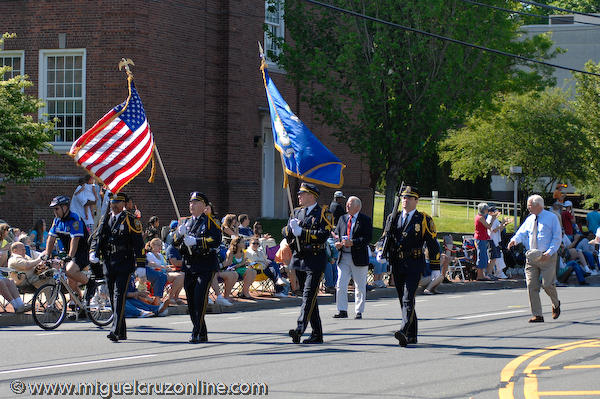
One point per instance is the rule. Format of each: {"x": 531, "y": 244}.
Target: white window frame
{"x": 280, "y": 27}
{"x": 15, "y": 53}
{"x": 60, "y": 146}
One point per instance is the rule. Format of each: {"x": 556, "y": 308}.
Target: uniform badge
{"x": 417, "y": 227}
{"x": 138, "y": 224}
{"x": 404, "y": 234}
{"x": 121, "y": 227}
{"x": 75, "y": 226}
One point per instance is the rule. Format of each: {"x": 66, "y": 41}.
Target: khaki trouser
{"x": 547, "y": 270}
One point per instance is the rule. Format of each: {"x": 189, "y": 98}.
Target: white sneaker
{"x": 280, "y": 295}
{"x": 502, "y": 275}
{"x": 164, "y": 312}
{"x": 210, "y": 301}
{"x": 379, "y": 283}
{"x": 427, "y": 292}
{"x": 223, "y": 302}
{"x": 282, "y": 281}
{"x": 594, "y": 272}
{"x": 145, "y": 314}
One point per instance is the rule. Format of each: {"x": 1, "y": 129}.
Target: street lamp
{"x": 515, "y": 171}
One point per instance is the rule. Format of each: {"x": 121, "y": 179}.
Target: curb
{"x": 268, "y": 302}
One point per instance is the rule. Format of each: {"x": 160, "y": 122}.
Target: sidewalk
{"x": 268, "y": 302}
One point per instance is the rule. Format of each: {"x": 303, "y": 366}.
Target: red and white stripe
{"x": 114, "y": 153}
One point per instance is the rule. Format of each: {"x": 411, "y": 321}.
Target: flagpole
{"x": 125, "y": 63}
{"x": 162, "y": 168}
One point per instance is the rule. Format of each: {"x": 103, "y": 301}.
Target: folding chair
{"x": 455, "y": 267}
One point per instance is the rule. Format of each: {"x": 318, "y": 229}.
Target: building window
{"x": 62, "y": 87}
{"x": 274, "y": 22}
{"x": 13, "y": 59}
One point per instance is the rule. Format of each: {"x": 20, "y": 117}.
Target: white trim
{"x": 15, "y": 53}
{"x": 61, "y": 147}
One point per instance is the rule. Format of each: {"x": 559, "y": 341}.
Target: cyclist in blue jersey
{"x": 69, "y": 228}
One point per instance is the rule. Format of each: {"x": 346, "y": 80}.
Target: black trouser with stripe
{"x": 309, "y": 311}
{"x": 407, "y": 274}
{"x": 196, "y": 287}
{"x": 117, "y": 282}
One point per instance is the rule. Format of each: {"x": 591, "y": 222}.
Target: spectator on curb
{"x": 153, "y": 229}
{"x": 337, "y": 206}
{"x": 230, "y": 227}
{"x": 26, "y": 271}
{"x": 4, "y": 244}
{"x": 138, "y": 303}
{"x": 257, "y": 258}
{"x": 157, "y": 262}
{"x": 39, "y": 235}
{"x": 236, "y": 261}
{"x": 10, "y": 292}
{"x": 593, "y": 218}
{"x": 244, "y": 225}
{"x": 481, "y": 240}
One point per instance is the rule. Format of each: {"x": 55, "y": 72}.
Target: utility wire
{"x": 524, "y": 13}
{"x": 449, "y": 39}
{"x": 534, "y": 3}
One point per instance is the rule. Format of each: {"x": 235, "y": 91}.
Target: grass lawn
{"x": 453, "y": 219}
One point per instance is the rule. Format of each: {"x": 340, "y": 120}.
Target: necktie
{"x": 404, "y": 220}
{"x": 113, "y": 218}
{"x": 533, "y": 237}
{"x": 349, "y": 229}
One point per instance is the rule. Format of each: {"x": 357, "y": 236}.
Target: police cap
{"x": 119, "y": 197}
{"x": 198, "y": 196}
{"x": 410, "y": 191}
{"x": 309, "y": 188}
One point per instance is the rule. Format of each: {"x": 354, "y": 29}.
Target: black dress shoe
{"x": 113, "y": 337}
{"x": 313, "y": 339}
{"x": 295, "y": 336}
{"x": 203, "y": 338}
{"x": 122, "y": 337}
{"x": 412, "y": 340}
{"x": 401, "y": 337}
{"x": 194, "y": 339}
{"x": 341, "y": 315}
{"x": 358, "y": 316}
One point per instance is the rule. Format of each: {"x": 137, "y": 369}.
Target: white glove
{"x": 380, "y": 257}
{"x": 295, "y": 227}
{"x": 189, "y": 240}
{"x": 93, "y": 258}
{"x": 140, "y": 272}
{"x": 181, "y": 229}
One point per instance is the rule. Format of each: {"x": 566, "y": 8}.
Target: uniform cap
{"x": 410, "y": 191}
{"x": 309, "y": 188}
{"x": 120, "y": 197}
{"x": 338, "y": 194}
{"x": 198, "y": 196}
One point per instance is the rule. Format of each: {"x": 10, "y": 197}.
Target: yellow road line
{"x": 569, "y": 393}
{"x": 508, "y": 372}
{"x": 584, "y": 366}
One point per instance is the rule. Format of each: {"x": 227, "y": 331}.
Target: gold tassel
{"x": 153, "y": 171}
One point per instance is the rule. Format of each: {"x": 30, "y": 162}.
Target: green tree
{"x": 390, "y": 94}
{"x": 539, "y": 131}
{"x": 587, "y": 104}
{"x": 21, "y": 138}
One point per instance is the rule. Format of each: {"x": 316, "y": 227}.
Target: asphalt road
{"x": 474, "y": 344}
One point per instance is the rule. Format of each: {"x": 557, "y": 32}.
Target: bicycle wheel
{"x": 49, "y": 306}
{"x": 99, "y": 310}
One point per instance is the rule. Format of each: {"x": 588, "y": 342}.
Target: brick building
{"x": 197, "y": 74}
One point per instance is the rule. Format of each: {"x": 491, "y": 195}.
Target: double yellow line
{"x": 530, "y": 389}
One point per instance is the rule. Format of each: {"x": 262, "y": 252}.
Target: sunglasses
{"x": 255, "y": 243}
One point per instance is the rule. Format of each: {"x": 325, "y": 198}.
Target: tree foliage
{"x": 539, "y": 131}
{"x": 390, "y": 94}
{"x": 21, "y": 137}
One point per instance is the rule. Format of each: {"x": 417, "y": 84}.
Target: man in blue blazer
{"x": 354, "y": 231}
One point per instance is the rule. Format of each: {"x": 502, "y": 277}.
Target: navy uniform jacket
{"x": 121, "y": 245}
{"x": 361, "y": 237}
{"x": 201, "y": 256}
{"x": 316, "y": 229}
{"x": 406, "y": 247}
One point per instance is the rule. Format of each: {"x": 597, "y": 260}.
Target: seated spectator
{"x": 570, "y": 253}
{"x": 379, "y": 268}
{"x": 168, "y": 240}
{"x": 4, "y": 244}
{"x": 236, "y": 261}
{"x": 25, "y": 271}
{"x": 140, "y": 304}
{"x": 10, "y": 292}
{"x": 257, "y": 259}
{"x": 29, "y": 251}
{"x": 230, "y": 227}
{"x": 432, "y": 278}
{"x": 158, "y": 265}
{"x": 39, "y": 235}
{"x": 153, "y": 229}
{"x": 227, "y": 277}
{"x": 567, "y": 261}
{"x": 589, "y": 252}
{"x": 244, "y": 225}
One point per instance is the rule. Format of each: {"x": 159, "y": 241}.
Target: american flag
{"x": 119, "y": 146}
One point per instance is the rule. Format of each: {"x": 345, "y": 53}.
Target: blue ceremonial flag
{"x": 303, "y": 155}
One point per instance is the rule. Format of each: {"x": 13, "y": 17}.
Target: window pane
{"x": 69, "y": 62}
{"x": 60, "y": 76}
{"x": 60, "y": 62}
{"x": 69, "y": 107}
{"x": 50, "y": 76}
{"x": 69, "y": 121}
{"x": 60, "y": 91}
{"x": 51, "y": 107}
{"x": 51, "y": 62}
{"x": 78, "y": 62}
{"x": 77, "y": 75}
{"x": 68, "y": 90}
{"x": 77, "y": 90}
{"x": 60, "y": 107}
{"x": 78, "y": 121}
{"x": 51, "y": 92}
{"x": 78, "y": 106}
{"x": 68, "y": 76}
{"x": 17, "y": 65}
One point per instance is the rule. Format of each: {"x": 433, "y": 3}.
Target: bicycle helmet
{"x": 60, "y": 200}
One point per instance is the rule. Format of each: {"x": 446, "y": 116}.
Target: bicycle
{"x": 49, "y": 305}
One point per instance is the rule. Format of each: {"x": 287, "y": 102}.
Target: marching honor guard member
{"x": 310, "y": 226}
{"x": 198, "y": 238}
{"x": 408, "y": 234}
{"x": 118, "y": 241}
